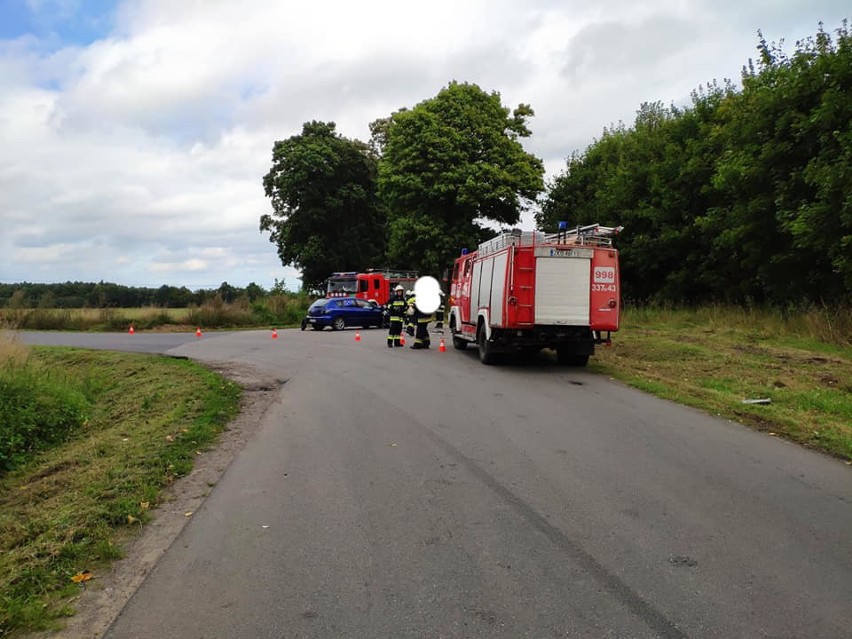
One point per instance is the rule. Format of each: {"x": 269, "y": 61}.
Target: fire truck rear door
{"x": 562, "y": 290}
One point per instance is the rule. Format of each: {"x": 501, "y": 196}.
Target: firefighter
{"x": 439, "y": 314}
{"x": 410, "y": 310}
{"x": 421, "y": 320}
{"x": 396, "y": 311}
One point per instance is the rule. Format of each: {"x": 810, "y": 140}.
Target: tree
{"x": 326, "y": 213}
{"x": 255, "y": 292}
{"x": 744, "y": 196}
{"x": 450, "y": 164}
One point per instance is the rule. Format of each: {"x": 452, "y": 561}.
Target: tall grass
{"x": 220, "y": 314}
{"x": 280, "y": 310}
{"x": 817, "y": 324}
{"x": 283, "y": 310}
{"x": 39, "y": 407}
{"x": 67, "y": 509}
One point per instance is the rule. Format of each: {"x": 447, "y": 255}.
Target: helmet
{"x": 408, "y": 292}
{"x": 398, "y": 288}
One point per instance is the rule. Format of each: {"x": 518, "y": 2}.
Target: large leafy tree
{"x": 742, "y": 196}
{"x": 326, "y": 214}
{"x": 449, "y": 165}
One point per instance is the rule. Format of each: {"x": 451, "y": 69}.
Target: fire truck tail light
{"x": 612, "y": 303}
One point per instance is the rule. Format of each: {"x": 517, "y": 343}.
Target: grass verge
{"x": 66, "y": 510}
{"x": 713, "y": 359}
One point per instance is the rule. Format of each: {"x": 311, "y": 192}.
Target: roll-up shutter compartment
{"x": 562, "y": 291}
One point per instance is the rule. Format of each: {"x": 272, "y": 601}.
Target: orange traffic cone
{"x": 442, "y": 348}
{"x": 131, "y": 331}
{"x": 357, "y": 336}
{"x": 198, "y": 332}
{"x": 274, "y": 333}
{"x": 402, "y": 339}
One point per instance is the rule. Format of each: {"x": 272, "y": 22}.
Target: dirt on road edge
{"x": 104, "y": 597}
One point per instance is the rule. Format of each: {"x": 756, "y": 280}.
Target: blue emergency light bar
{"x": 464, "y": 251}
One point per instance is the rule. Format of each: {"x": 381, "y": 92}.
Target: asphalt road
{"x": 397, "y": 493}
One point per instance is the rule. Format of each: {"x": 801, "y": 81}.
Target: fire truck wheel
{"x": 339, "y": 324}
{"x": 486, "y": 351}
{"x": 458, "y": 343}
{"x": 567, "y": 357}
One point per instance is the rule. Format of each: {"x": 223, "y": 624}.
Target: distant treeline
{"x": 108, "y": 295}
{"x": 745, "y": 196}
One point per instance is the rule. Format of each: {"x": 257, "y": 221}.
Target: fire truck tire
{"x": 458, "y": 343}
{"x": 567, "y": 357}
{"x": 339, "y": 324}
{"x": 486, "y": 351}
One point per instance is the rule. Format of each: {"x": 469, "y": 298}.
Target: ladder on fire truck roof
{"x": 589, "y": 235}
{"x": 394, "y": 273}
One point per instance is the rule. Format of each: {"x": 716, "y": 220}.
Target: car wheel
{"x": 338, "y": 324}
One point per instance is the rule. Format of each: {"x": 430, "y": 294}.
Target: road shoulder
{"x": 104, "y": 598}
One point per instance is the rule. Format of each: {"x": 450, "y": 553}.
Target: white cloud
{"x": 178, "y": 267}
{"x": 138, "y": 158}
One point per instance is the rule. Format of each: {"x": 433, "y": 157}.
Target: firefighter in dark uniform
{"x": 396, "y": 312}
{"x": 421, "y": 320}
{"x": 439, "y": 314}
{"x": 409, "y": 317}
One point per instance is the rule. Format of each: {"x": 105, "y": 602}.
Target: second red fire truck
{"x": 524, "y": 291}
{"x": 374, "y": 284}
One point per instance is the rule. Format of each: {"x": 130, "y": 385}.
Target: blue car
{"x": 340, "y": 312}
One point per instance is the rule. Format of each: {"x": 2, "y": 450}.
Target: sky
{"x": 134, "y": 135}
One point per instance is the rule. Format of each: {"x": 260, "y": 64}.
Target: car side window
{"x": 349, "y": 303}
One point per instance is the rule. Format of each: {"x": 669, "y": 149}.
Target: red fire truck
{"x": 374, "y": 284}
{"x": 341, "y": 284}
{"x": 524, "y": 291}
